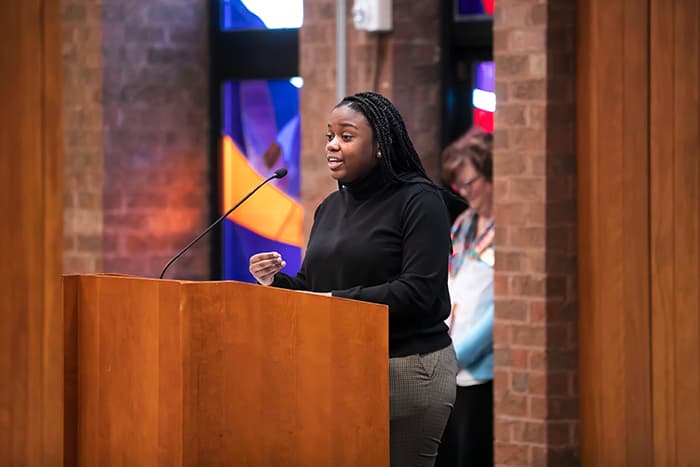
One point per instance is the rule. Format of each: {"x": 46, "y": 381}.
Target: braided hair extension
{"x": 399, "y": 159}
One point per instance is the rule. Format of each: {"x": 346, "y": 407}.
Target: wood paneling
{"x": 227, "y": 373}
{"x": 614, "y": 345}
{"x": 675, "y": 230}
{"x": 31, "y": 237}
{"x": 639, "y": 231}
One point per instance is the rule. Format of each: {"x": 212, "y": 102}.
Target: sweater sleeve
{"x": 425, "y": 246}
{"x": 285, "y": 281}
{"x": 298, "y": 282}
{"x": 478, "y": 343}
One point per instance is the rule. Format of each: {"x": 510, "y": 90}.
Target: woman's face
{"x": 350, "y": 152}
{"x": 473, "y": 186}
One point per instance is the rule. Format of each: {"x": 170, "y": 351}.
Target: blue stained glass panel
{"x": 260, "y": 14}
{"x": 466, "y": 8}
{"x": 261, "y": 118}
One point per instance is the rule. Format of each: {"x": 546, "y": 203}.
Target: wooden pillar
{"x": 639, "y": 232}
{"x": 613, "y": 195}
{"x": 675, "y": 230}
{"x": 31, "y": 361}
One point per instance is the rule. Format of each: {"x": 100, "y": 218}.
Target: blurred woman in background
{"x": 468, "y": 436}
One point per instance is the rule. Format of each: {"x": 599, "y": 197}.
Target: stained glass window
{"x": 261, "y": 133}
{"x": 261, "y": 14}
{"x": 484, "y": 95}
{"x": 259, "y": 126}
{"x": 464, "y": 9}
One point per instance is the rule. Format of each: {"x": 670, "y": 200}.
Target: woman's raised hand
{"x": 264, "y": 266}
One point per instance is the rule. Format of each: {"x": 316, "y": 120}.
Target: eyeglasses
{"x": 456, "y": 186}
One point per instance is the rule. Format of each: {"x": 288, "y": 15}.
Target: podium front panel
{"x": 222, "y": 373}
{"x": 283, "y": 378}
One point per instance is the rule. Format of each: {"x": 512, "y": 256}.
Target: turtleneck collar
{"x": 370, "y": 184}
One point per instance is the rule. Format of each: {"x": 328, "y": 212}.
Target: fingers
{"x": 266, "y": 255}
{"x": 266, "y": 277}
{"x": 264, "y": 266}
{"x": 267, "y": 267}
{"x": 265, "y": 262}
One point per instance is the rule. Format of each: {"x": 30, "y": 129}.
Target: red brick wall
{"x": 155, "y": 103}
{"x": 415, "y": 87}
{"x": 536, "y": 406}
{"x": 83, "y": 135}
{"x": 318, "y": 96}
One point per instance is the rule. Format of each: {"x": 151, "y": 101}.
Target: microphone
{"x": 279, "y": 173}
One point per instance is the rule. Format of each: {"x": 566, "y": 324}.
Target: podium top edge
{"x": 116, "y": 275}
{"x": 188, "y": 283}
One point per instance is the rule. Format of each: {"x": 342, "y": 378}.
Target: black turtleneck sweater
{"x": 385, "y": 243}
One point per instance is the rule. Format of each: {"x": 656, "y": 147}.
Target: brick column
{"x": 536, "y": 404}
{"x": 415, "y": 84}
{"x": 83, "y": 136}
{"x": 318, "y": 68}
{"x": 156, "y": 151}
{"x": 136, "y": 129}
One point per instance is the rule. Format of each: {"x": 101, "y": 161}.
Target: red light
{"x": 483, "y": 119}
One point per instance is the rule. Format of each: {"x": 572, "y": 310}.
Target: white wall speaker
{"x": 372, "y": 15}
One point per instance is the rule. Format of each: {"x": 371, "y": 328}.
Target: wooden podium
{"x": 170, "y": 373}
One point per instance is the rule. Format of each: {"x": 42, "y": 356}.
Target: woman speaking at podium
{"x": 384, "y": 237}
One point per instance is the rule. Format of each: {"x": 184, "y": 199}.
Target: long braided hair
{"x": 400, "y": 161}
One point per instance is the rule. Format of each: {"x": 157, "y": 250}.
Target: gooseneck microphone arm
{"x": 279, "y": 173}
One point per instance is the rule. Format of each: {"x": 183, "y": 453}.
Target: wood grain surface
{"x": 225, "y": 373}
{"x": 31, "y": 202}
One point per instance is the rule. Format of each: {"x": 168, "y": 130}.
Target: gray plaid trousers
{"x": 422, "y": 391}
